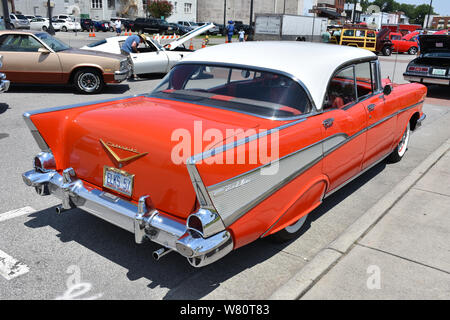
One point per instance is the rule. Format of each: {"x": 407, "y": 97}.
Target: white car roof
{"x": 311, "y": 63}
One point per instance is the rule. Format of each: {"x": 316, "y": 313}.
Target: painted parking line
{"x": 16, "y": 213}
{"x": 11, "y": 268}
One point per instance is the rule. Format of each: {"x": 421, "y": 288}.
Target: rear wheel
{"x": 290, "y": 232}
{"x": 412, "y": 50}
{"x": 402, "y": 146}
{"x": 387, "y": 51}
{"x": 88, "y": 81}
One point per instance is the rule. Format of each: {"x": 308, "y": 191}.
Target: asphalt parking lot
{"x": 54, "y": 252}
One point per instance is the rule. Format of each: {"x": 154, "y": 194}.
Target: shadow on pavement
{"x": 438, "y": 92}
{"x": 3, "y": 107}
{"x": 173, "y": 271}
{"x": 34, "y": 88}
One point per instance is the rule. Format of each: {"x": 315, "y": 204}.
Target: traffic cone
{"x": 203, "y": 44}
{"x": 191, "y": 46}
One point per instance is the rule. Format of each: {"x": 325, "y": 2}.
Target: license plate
{"x": 439, "y": 72}
{"x": 118, "y": 180}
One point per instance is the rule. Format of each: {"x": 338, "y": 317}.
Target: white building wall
{"x": 183, "y": 10}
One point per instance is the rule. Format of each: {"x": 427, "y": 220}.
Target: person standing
{"x": 118, "y": 25}
{"x": 326, "y": 36}
{"x": 241, "y": 35}
{"x": 131, "y": 46}
{"x": 230, "y": 29}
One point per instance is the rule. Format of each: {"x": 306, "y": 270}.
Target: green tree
{"x": 420, "y": 12}
{"x": 160, "y": 8}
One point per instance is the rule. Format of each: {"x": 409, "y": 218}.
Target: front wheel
{"x": 88, "y": 81}
{"x": 44, "y": 28}
{"x": 64, "y": 29}
{"x": 289, "y": 232}
{"x": 402, "y": 146}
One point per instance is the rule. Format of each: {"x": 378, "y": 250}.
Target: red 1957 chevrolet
{"x": 237, "y": 142}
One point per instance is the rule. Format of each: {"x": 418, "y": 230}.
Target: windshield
{"x": 260, "y": 93}
{"x": 53, "y": 43}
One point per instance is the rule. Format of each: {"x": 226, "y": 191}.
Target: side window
{"x": 364, "y": 82}
{"x": 360, "y": 33}
{"x": 341, "y": 90}
{"x": 20, "y": 43}
{"x": 370, "y": 34}
{"x": 349, "y": 33}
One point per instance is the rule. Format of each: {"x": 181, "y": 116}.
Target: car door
{"x": 381, "y": 119}
{"x": 344, "y": 120}
{"x": 23, "y": 63}
{"x": 150, "y": 59}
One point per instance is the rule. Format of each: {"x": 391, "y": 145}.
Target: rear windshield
{"x": 260, "y": 93}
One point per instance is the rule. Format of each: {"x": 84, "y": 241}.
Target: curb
{"x": 306, "y": 277}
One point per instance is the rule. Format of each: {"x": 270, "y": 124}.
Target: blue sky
{"x": 440, "y": 6}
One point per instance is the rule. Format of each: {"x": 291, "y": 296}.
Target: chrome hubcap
{"x": 88, "y": 81}
{"x": 402, "y": 146}
{"x": 297, "y": 225}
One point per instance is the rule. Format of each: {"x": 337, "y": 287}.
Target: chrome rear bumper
{"x": 145, "y": 223}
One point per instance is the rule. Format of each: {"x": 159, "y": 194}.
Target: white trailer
{"x": 289, "y": 27}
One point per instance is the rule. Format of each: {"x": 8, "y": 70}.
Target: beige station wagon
{"x": 37, "y": 57}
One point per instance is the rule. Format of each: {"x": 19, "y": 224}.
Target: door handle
{"x": 371, "y": 107}
{"x": 328, "y": 123}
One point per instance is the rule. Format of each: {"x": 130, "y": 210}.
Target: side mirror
{"x": 43, "y": 50}
{"x": 387, "y": 89}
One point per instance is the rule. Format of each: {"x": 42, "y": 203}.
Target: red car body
{"x": 402, "y": 45}
{"x": 203, "y": 209}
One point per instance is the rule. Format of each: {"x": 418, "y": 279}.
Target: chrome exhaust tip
{"x": 158, "y": 254}
{"x": 60, "y": 209}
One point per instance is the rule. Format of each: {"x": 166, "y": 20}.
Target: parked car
{"x": 152, "y": 57}
{"x": 29, "y": 17}
{"x": 65, "y": 17}
{"x": 86, "y": 24}
{"x": 19, "y": 21}
{"x": 43, "y": 24}
{"x": 181, "y": 29}
{"x": 188, "y": 24}
{"x": 68, "y": 25}
{"x": 433, "y": 64}
{"x": 101, "y": 26}
{"x": 214, "y": 31}
{"x": 151, "y": 25}
{"x": 37, "y": 57}
{"x": 4, "y": 84}
{"x": 119, "y": 159}
{"x": 361, "y": 37}
{"x": 401, "y": 45}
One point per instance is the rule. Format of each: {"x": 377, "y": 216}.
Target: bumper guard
{"x": 145, "y": 223}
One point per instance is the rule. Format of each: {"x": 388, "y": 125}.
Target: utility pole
{"x": 251, "y": 20}
{"x": 50, "y": 28}
{"x": 354, "y": 11}
{"x": 224, "y": 15}
{"x": 429, "y": 13}
{"x": 6, "y": 14}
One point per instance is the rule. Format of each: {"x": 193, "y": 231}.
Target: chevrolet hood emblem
{"x": 121, "y": 161}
